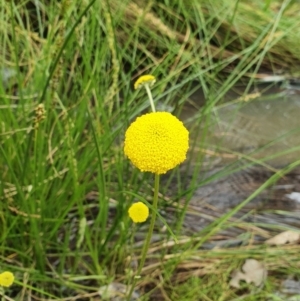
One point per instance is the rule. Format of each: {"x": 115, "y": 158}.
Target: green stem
{"x": 148, "y": 238}
{"x": 150, "y": 97}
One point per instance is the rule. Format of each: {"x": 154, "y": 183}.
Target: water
{"x": 261, "y": 128}
{"x": 265, "y": 129}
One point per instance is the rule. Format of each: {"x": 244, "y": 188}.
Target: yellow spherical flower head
{"x": 156, "y": 142}
{"x": 138, "y": 212}
{"x": 6, "y": 279}
{"x": 145, "y": 79}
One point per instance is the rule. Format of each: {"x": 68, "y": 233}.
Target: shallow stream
{"x": 263, "y": 129}
{"x": 267, "y": 124}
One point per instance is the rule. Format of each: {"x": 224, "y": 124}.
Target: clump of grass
{"x": 65, "y": 229}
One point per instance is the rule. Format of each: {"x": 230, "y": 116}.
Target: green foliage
{"x": 65, "y": 229}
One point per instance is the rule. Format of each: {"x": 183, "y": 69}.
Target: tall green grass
{"x": 65, "y": 230}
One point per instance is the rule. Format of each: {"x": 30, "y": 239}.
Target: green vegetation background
{"x": 65, "y": 180}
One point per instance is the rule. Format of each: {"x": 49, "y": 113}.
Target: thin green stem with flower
{"x": 150, "y": 153}
{"x": 148, "y": 238}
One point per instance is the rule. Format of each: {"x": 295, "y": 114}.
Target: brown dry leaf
{"x": 253, "y": 271}
{"x": 283, "y": 238}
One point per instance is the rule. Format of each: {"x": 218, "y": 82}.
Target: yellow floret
{"x": 138, "y": 212}
{"x": 6, "y": 279}
{"x": 156, "y": 142}
{"x": 144, "y": 79}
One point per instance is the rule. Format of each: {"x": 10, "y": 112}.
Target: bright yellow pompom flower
{"x": 6, "y": 279}
{"x": 156, "y": 142}
{"x": 138, "y": 212}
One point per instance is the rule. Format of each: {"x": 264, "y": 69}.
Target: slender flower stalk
{"x": 150, "y": 97}
{"x": 148, "y": 238}
{"x": 146, "y": 81}
{"x": 156, "y": 142}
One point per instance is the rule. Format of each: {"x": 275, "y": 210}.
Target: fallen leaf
{"x": 236, "y": 276}
{"x": 253, "y": 271}
{"x": 283, "y": 238}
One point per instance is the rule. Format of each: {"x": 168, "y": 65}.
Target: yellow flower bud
{"x": 145, "y": 79}
{"x": 138, "y": 212}
{"x": 6, "y": 279}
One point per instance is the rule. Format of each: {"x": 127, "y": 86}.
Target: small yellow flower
{"x": 156, "y": 142}
{"x": 6, "y": 279}
{"x": 138, "y": 212}
{"x": 145, "y": 79}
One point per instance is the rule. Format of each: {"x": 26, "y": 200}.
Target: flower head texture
{"x": 138, "y": 212}
{"x": 156, "y": 142}
{"x": 145, "y": 79}
{"x": 6, "y": 279}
